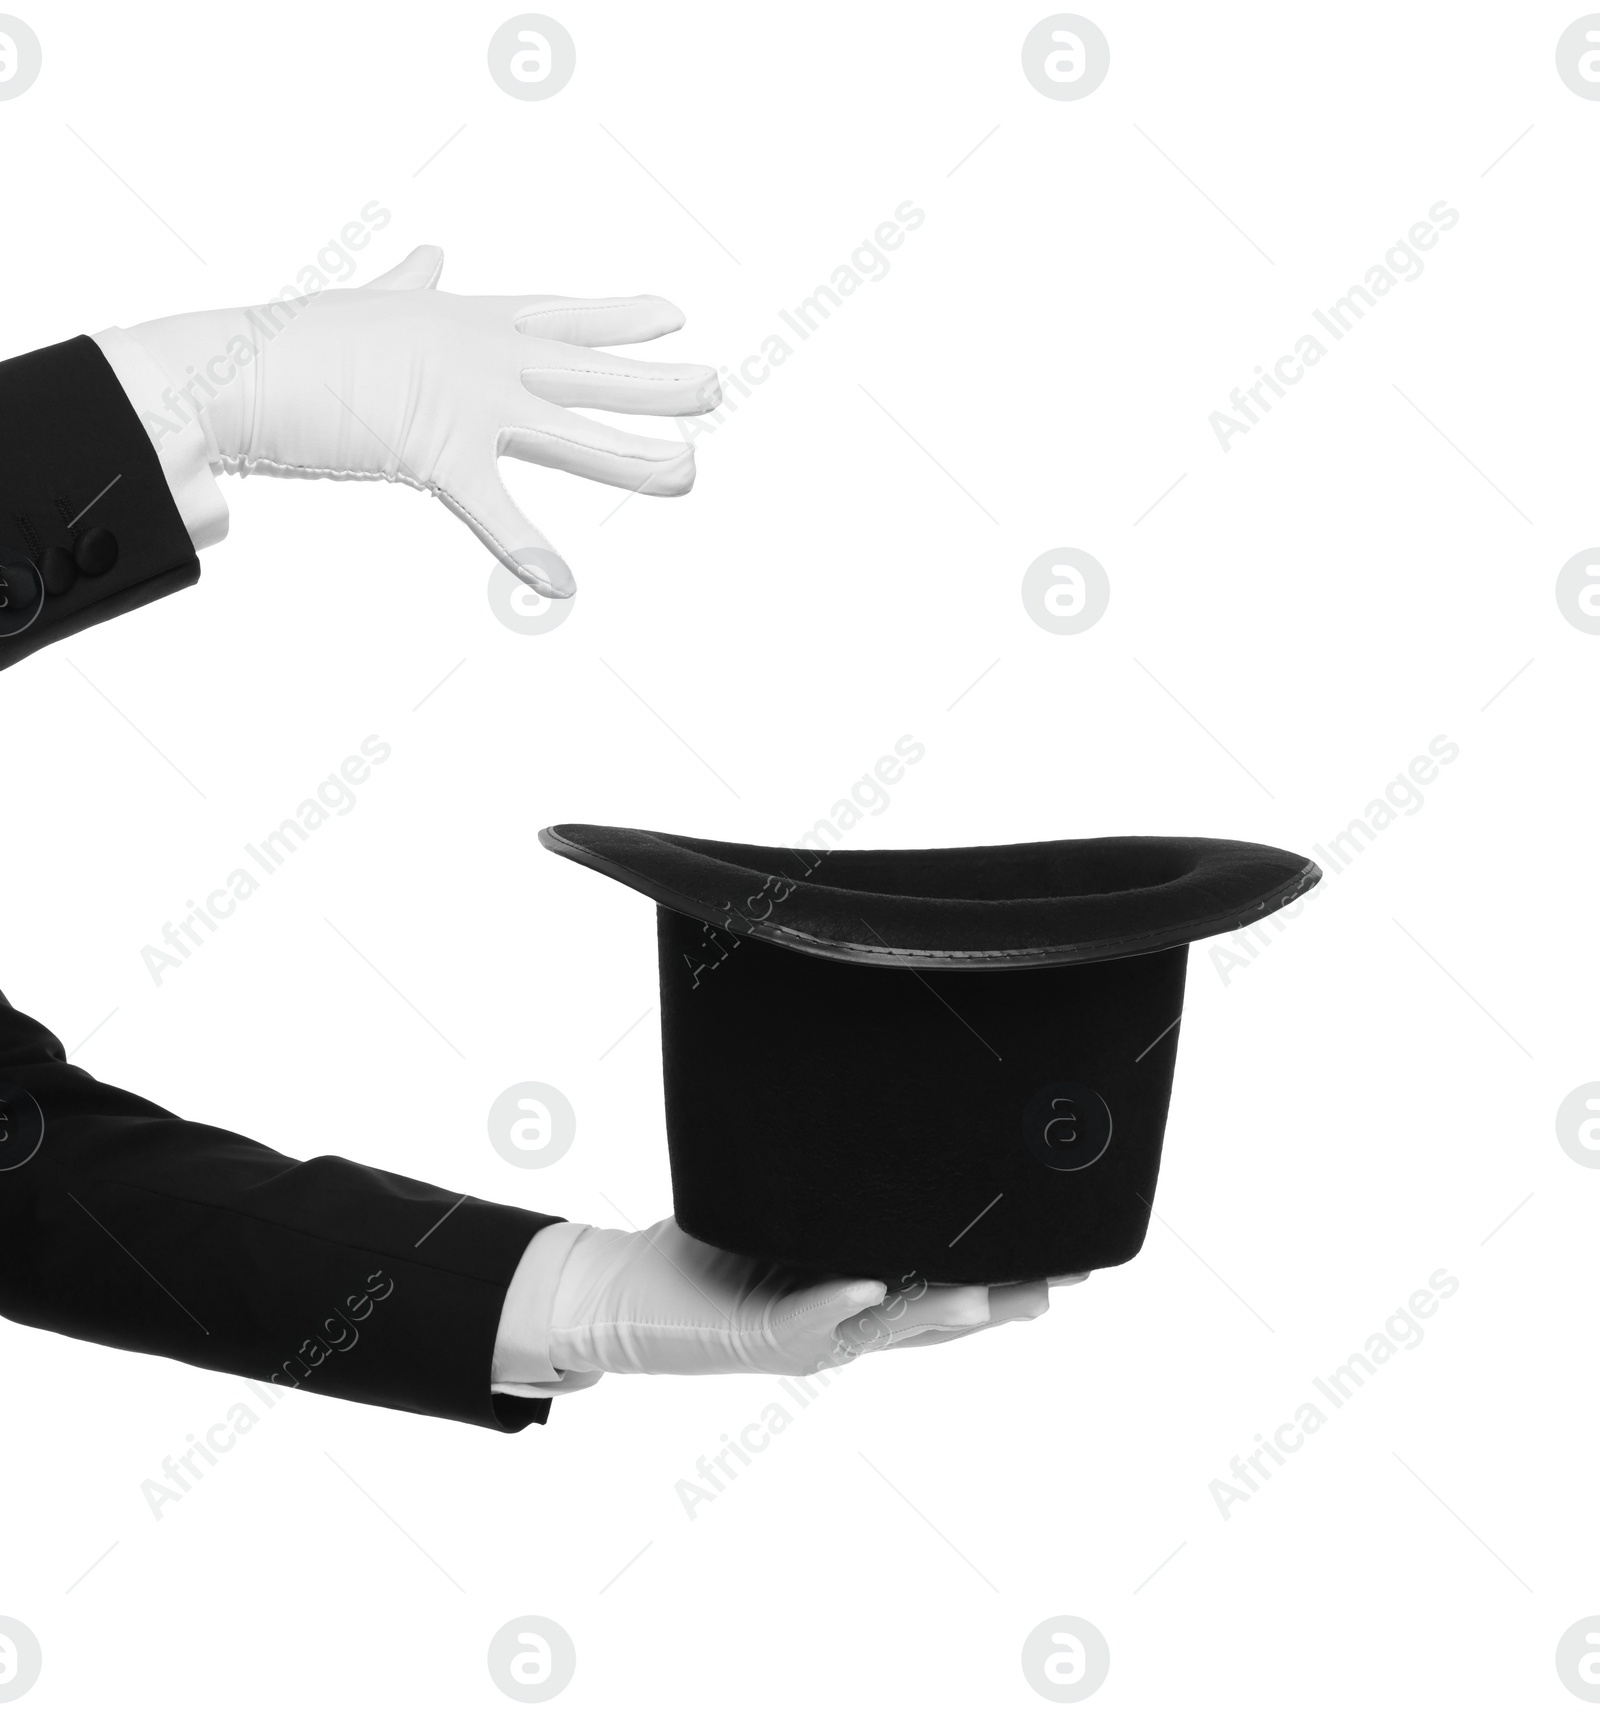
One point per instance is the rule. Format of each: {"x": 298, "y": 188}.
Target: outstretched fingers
{"x": 567, "y": 441}
{"x": 599, "y": 321}
{"x": 607, "y": 382}
{"x": 480, "y": 500}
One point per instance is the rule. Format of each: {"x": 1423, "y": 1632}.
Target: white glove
{"x": 399, "y": 381}
{"x": 658, "y": 1301}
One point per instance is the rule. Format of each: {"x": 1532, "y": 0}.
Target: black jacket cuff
{"x": 88, "y": 526}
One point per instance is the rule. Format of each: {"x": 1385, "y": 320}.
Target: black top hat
{"x": 951, "y": 1063}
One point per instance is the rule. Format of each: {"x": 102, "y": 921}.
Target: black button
{"x": 21, "y": 595}
{"x": 95, "y": 551}
{"x": 60, "y": 572}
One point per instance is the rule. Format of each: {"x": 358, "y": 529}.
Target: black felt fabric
{"x": 67, "y": 431}
{"x": 876, "y": 1120}
{"x": 1044, "y": 903}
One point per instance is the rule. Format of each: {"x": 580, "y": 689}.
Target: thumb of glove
{"x": 419, "y": 272}
{"x": 809, "y": 1326}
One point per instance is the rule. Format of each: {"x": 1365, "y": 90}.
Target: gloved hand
{"x": 659, "y": 1301}
{"x": 399, "y": 381}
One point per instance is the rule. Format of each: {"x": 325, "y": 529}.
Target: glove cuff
{"x": 523, "y": 1365}
{"x": 177, "y": 434}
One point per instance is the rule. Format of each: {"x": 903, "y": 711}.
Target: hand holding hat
{"x": 399, "y": 381}
{"x": 659, "y": 1301}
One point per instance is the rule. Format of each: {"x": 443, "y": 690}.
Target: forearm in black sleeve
{"x": 123, "y": 1224}
{"x": 88, "y": 525}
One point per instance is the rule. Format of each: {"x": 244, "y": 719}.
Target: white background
{"x": 1362, "y": 1105}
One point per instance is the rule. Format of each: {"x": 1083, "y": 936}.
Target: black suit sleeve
{"x": 88, "y": 526}
{"x": 123, "y": 1224}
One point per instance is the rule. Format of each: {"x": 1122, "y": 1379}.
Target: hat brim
{"x": 1042, "y": 903}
